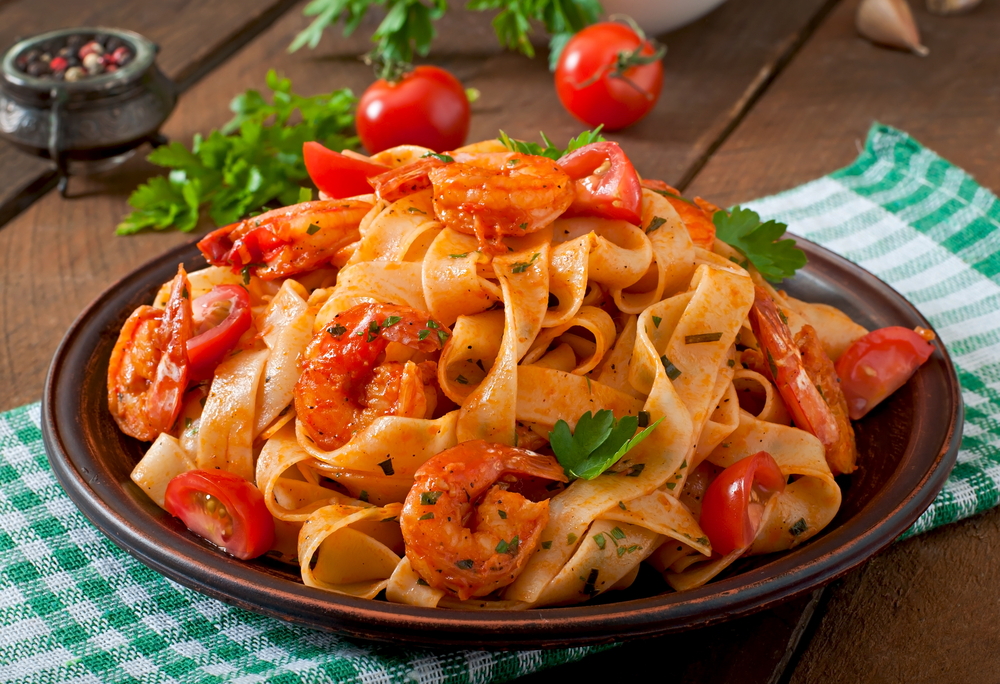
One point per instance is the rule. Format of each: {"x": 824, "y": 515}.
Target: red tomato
{"x": 609, "y": 74}
{"x": 879, "y": 364}
{"x": 730, "y": 516}
{"x": 336, "y": 174}
{"x": 606, "y": 183}
{"x": 223, "y": 508}
{"x": 220, "y": 317}
{"x": 426, "y": 106}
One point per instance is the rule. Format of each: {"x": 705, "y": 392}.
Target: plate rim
{"x": 247, "y": 586}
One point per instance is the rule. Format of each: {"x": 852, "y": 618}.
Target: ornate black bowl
{"x": 89, "y": 123}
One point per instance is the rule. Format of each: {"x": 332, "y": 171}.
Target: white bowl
{"x": 659, "y": 16}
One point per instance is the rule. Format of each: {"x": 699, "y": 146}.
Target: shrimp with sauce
{"x": 286, "y": 241}
{"x": 500, "y": 194}
{"x": 148, "y": 370}
{"x": 806, "y": 384}
{"x": 342, "y": 388}
{"x": 464, "y": 532}
{"x": 696, "y": 216}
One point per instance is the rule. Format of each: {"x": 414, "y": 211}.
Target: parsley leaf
{"x": 742, "y": 229}
{"x": 597, "y": 443}
{"x": 550, "y": 150}
{"x": 254, "y": 160}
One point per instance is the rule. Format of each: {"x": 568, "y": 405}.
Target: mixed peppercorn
{"x": 76, "y": 57}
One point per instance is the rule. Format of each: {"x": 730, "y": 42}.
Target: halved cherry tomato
{"x": 220, "y": 317}
{"x": 734, "y": 503}
{"x": 336, "y": 174}
{"x": 878, "y": 364}
{"x": 607, "y": 185}
{"x": 223, "y": 508}
{"x": 427, "y": 107}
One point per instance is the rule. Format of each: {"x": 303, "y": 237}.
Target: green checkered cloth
{"x": 73, "y": 607}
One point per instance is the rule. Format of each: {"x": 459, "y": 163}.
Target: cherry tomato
{"x": 220, "y": 317}
{"x": 427, "y": 106}
{"x": 734, "y": 503}
{"x": 223, "y": 508}
{"x": 878, "y": 364}
{"x": 606, "y": 183}
{"x": 609, "y": 74}
{"x": 336, "y": 174}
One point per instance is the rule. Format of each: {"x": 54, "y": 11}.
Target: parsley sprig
{"x": 550, "y": 150}
{"x": 597, "y": 443}
{"x": 742, "y": 230}
{"x": 408, "y": 26}
{"x": 253, "y": 160}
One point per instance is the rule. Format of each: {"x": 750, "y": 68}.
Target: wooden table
{"x": 758, "y": 97}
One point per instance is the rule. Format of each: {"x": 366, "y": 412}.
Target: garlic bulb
{"x": 951, "y": 6}
{"x": 889, "y": 22}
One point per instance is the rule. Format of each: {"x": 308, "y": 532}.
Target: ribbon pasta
{"x": 585, "y": 314}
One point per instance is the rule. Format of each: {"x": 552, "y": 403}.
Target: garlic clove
{"x": 889, "y": 22}
{"x": 951, "y": 6}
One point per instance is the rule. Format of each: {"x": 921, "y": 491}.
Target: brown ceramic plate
{"x": 908, "y": 446}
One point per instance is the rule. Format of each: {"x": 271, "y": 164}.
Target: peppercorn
{"x": 92, "y": 47}
{"x": 58, "y": 64}
{"x": 93, "y": 63}
{"x": 38, "y": 69}
{"x": 74, "y": 74}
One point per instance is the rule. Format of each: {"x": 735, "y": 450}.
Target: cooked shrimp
{"x": 342, "y": 390}
{"x": 287, "y": 241}
{"x": 148, "y": 370}
{"x": 697, "y": 216}
{"x": 464, "y": 532}
{"x": 785, "y": 367}
{"x": 396, "y": 183}
{"x": 500, "y": 194}
{"x": 842, "y": 455}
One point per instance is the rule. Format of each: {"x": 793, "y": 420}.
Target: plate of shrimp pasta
{"x": 508, "y": 395}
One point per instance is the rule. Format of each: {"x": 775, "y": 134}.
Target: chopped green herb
{"x": 462, "y": 380}
{"x": 671, "y": 485}
{"x": 414, "y": 210}
{"x": 522, "y": 266}
{"x": 621, "y": 505}
{"x": 598, "y": 442}
{"x": 771, "y": 366}
{"x": 523, "y": 226}
{"x": 502, "y": 514}
{"x": 502, "y": 546}
{"x": 655, "y": 223}
{"x": 422, "y": 335}
{"x": 363, "y": 495}
{"x": 704, "y": 337}
{"x": 391, "y": 321}
{"x": 599, "y": 540}
{"x": 459, "y": 256}
{"x": 731, "y": 362}
{"x": 782, "y": 316}
{"x": 590, "y": 390}
{"x": 798, "y": 528}
{"x": 386, "y": 466}
{"x": 673, "y": 372}
{"x": 465, "y": 564}
{"x": 702, "y": 540}
{"x": 656, "y": 321}
{"x": 337, "y": 330}
{"x": 422, "y": 582}
{"x": 429, "y": 498}
{"x": 305, "y": 195}
{"x": 313, "y": 229}
{"x": 571, "y": 539}
{"x": 643, "y": 418}
{"x": 440, "y": 157}
{"x": 546, "y": 544}
{"x": 617, "y": 533}
{"x": 426, "y": 516}
{"x": 636, "y": 468}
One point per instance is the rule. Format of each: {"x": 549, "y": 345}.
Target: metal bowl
{"x": 85, "y": 123}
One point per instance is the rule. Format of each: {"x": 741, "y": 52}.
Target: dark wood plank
{"x": 193, "y": 38}
{"x": 924, "y": 610}
{"x": 820, "y": 108}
